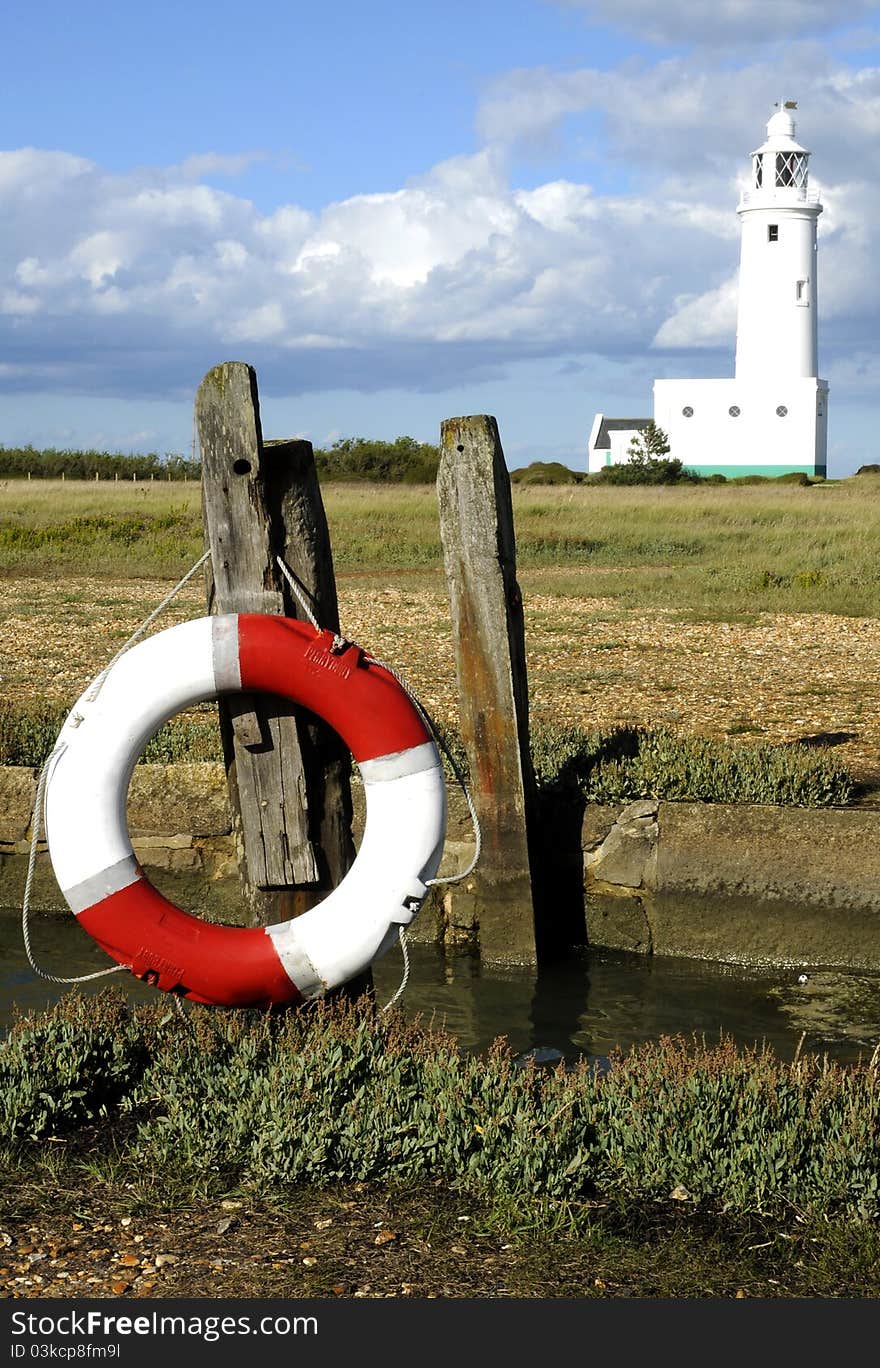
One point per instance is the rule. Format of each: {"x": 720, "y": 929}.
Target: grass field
{"x": 721, "y": 552}
{"x": 721, "y": 610}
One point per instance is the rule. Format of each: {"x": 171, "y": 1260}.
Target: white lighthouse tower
{"x": 776, "y": 331}
{"x": 772, "y": 418}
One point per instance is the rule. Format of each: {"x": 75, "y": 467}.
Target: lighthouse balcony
{"x": 790, "y": 194}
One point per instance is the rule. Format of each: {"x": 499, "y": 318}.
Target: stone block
{"x": 18, "y": 789}
{"x": 179, "y": 798}
{"x": 598, "y": 821}
{"x": 625, "y": 856}
{"x": 185, "y": 860}
{"x": 618, "y": 922}
{"x": 824, "y": 857}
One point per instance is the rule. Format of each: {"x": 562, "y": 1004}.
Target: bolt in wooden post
{"x": 288, "y": 776}
{"x": 479, "y": 549}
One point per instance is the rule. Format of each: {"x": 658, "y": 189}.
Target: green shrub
{"x": 545, "y": 473}
{"x": 343, "y": 1093}
{"x": 404, "y": 461}
{"x": 659, "y": 471}
{"x": 28, "y": 732}
{"x": 68, "y": 1067}
{"x": 51, "y": 464}
{"x": 636, "y": 762}
{"x": 604, "y": 767}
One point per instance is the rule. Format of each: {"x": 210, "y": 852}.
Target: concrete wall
{"x": 747, "y": 884}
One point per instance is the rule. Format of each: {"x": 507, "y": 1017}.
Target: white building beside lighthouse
{"x": 772, "y": 417}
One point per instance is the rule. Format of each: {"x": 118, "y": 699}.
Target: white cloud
{"x": 706, "y": 320}
{"x": 683, "y": 117}
{"x": 219, "y": 164}
{"x": 107, "y": 280}
{"x": 724, "y": 21}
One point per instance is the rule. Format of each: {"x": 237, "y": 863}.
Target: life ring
{"x": 90, "y": 848}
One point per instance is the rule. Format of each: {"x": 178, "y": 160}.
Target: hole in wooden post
{"x": 460, "y": 448}
{"x": 241, "y": 466}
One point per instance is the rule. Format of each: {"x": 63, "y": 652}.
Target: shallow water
{"x": 587, "y": 1006}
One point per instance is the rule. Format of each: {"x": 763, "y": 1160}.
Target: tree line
{"x": 404, "y": 461}
{"x": 22, "y": 463}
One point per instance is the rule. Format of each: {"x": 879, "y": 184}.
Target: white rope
{"x": 98, "y": 682}
{"x": 299, "y": 591}
{"x": 26, "y": 901}
{"x": 404, "y": 950}
{"x": 36, "y": 818}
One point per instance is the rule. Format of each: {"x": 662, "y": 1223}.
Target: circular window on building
{"x": 687, "y": 411}
{"x": 734, "y": 410}
{"x": 781, "y": 411}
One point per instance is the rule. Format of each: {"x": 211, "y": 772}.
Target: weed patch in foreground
{"x": 343, "y": 1094}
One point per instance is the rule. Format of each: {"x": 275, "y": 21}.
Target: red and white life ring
{"x": 90, "y": 848}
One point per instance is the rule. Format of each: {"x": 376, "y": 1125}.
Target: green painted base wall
{"x": 732, "y": 471}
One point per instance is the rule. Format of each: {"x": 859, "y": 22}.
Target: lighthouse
{"x": 776, "y": 330}
{"x": 772, "y": 418}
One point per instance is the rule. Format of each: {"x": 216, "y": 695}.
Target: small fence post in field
{"x": 288, "y": 774}
{"x": 479, "y": 550}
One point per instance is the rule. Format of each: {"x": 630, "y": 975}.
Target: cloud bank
{"x": 137, "y": 283}
{"x": 740, "y": 21}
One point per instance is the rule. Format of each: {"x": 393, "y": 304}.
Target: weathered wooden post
{"x": 476, "y": 525}
{"x": 288, "y": 774}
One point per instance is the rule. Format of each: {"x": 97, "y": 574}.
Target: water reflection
{"x": 587, "y": 1005}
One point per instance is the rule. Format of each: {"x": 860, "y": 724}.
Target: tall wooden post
{"x": 288, "y": 774}
{"x": 479, "y": 549}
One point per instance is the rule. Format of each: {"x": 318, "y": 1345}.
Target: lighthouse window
{"x": 801, "y": 292}
{"x": 791, "y": 170}
{"x": 687, "y": 411}
{"x": 772, "y": 232}
{"x": 759, "y": 172}
{"x": 734, "y": 410}
{"x": 781, "y": 411}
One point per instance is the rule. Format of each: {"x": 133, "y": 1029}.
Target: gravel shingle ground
{"x": 780, "y": 678}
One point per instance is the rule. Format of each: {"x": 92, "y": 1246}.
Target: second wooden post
{"x": 479, "y": 549}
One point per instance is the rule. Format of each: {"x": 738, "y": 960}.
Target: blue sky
{"x": 399, "y": 212}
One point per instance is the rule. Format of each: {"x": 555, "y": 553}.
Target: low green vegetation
{"x": 404, "y": 460}
{"x": 545, "y": 473}
{"x": 29, "y": 730}
{"x": 712, "y": 551}
{"x": 647, "y": 462}
{"x": 345, "y": 1093}
{"x": 601, "y": 767}
{"x": 637, "y": 762}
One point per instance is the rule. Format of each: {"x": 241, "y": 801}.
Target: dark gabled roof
{"x": 609, "y": 425}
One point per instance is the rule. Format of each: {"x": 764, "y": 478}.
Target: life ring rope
{"x": 57, "y": 750}
{"x": 339, "y": 646}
